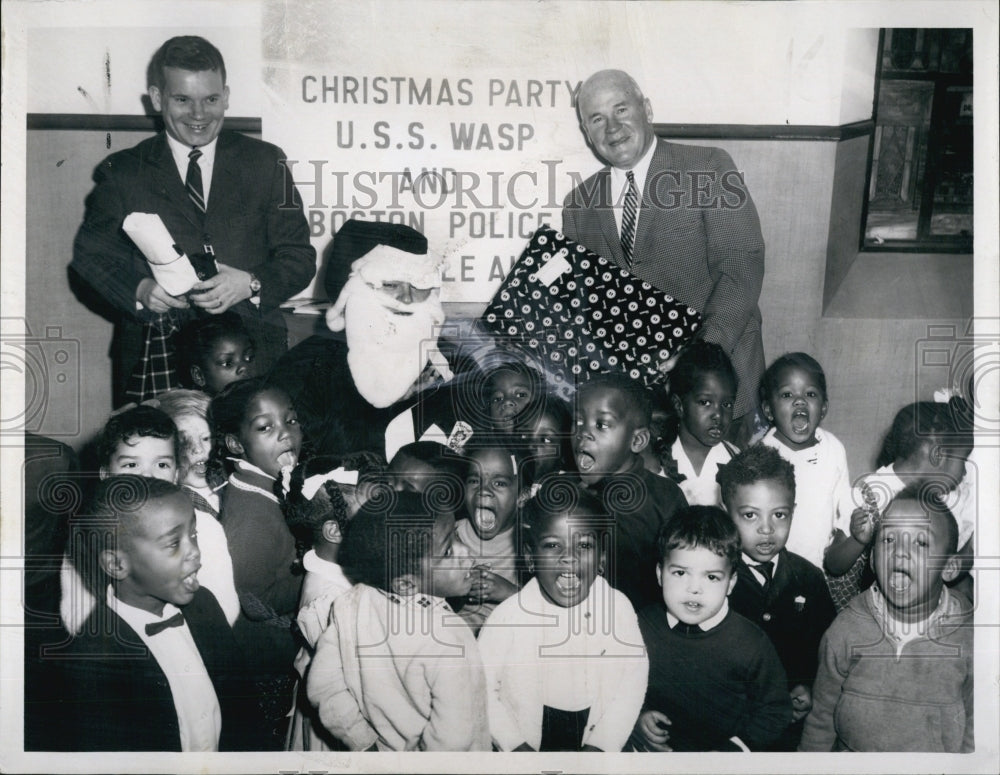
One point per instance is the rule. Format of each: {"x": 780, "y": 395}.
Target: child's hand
{"x": 862, "y": 527}
{"x": 801, "y": 701}
{"x": 652, "y": 728}
{"x": 489, "y": 586}
{"x": 479, "y": 586}
{"x": 498, "y": 588}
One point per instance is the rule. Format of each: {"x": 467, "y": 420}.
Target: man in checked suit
{"x": 216, "y": 192}
{"x": 691, "y": 228}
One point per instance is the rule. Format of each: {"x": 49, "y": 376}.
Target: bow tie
{"x": 156, "y": 627}
{"x": 683, "y": 628}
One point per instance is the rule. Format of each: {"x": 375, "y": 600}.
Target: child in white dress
{"x": 794, "y": 400}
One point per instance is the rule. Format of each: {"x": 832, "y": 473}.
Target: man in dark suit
{"x": 218, "y": 193}
{"x": 689, "y": 227}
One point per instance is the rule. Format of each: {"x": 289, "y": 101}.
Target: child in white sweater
{"x": 565, "y": 664}
{"x": 397, "y": 669}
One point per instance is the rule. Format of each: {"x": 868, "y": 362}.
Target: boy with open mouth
{"x": 156, "y": 666}
{"x": 896, "y": 665}
{"x": 612, "y": 428}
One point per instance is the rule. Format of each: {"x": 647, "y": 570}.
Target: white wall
{"x": 92, "y": 58}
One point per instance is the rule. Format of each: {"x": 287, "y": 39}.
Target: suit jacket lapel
{"x": 173, "y": 194}
{"x": 644, "y": 231}
{"x": 754, "y": 583}
{"x": 223, "y": 195}
{"x": 782, "y": 575}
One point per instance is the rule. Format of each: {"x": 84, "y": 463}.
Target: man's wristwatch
{"x": 254, "y": 290}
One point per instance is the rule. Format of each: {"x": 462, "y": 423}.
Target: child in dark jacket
{"x": 612, "y": 428}
{"x": 155, "y": 666}
{"x": 782, "y": 593}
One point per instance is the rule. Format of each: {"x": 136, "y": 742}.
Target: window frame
{"x": 925, "y": 242}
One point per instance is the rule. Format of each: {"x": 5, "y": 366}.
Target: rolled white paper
{"x": 171, "y": 267}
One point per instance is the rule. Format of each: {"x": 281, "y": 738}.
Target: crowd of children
{"x": 608, "y": 576}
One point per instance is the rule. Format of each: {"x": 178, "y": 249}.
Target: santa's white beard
{"x": 387, "y": 351}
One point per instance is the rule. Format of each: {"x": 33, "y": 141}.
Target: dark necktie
{"x": 629, "y": 211}
{"x": 193, "y": 180}
{"x": 686, "y": 629}
{"x": 154, "y": 628}
{"x": 766, "y": 569}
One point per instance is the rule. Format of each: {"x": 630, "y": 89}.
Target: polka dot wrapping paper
{"x": 575, "y": 314}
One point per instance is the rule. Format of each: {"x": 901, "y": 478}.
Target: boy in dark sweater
{"x": 780, "y": 591}
{"x": 715, "y": 682}
{"x": 612, "y": 417}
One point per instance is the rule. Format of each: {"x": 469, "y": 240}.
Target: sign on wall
{"x": 437, "y": 116}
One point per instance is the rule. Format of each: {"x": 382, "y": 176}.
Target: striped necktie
{"x": 766, "y": 569}
{"x": 628, "y": 218}
{"x": 193, "y": 180}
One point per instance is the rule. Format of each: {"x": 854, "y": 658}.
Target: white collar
{"x": 771, "y": 437}
{"x": 708, "y": 624}
{"x": 752, "y": 564}
{"x": 641, "y": 168}
{"x": 137, "y": 618}
{"x": 900, "y": 631}
{"x": 180, "y": 151}
{"x": 328, "y": 569}
{"x": 718, "y": 453}
{"x": 244, "y": 465}
{"x": 597, "y": 598}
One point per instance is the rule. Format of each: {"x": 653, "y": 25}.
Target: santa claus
{"x": 380, "y": 380}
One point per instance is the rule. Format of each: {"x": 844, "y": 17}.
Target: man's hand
{"x": 802, "y": 701}
{"x": 226, "y": 289}
{"x": 652, "y": 729}
{"x": 151, "y": 295}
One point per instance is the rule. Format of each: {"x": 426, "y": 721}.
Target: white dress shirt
{"x": 198, "y": 714}
{"x": 619, "y": 185}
